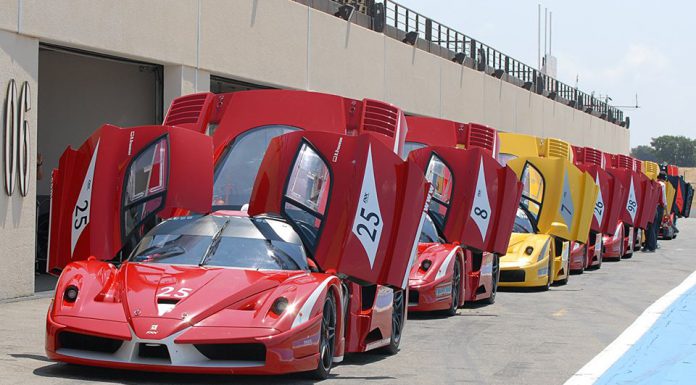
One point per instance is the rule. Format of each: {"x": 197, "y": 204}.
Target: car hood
{"x": 171, "y": 297}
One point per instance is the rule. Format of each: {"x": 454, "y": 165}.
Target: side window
{"x": 307, "y": 193}
{"x": 429, "y": 232}
{"x": 145, "y": 185}
{"x": 236, "y": 171}
{"x": 533, "y": 190}
{"x": 441, "y": 178}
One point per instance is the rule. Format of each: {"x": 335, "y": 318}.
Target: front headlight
{"x": 70, "y": 294}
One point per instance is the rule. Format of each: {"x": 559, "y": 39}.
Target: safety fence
{"x": 402, "y": 23}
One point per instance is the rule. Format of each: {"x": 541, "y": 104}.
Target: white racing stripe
{"x": 594, "y": 369}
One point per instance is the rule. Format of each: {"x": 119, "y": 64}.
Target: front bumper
{"x": 517, "y": 273}
{"x": 429, "y": 296}
{"x": 223, "y": 350}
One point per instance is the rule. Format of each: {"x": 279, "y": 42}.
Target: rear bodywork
{"x": 472, "y": 210}
{"x": 559, "y": 197}
{"x": 606, "y": 210}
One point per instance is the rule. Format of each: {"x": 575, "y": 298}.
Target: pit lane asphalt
{"x": 524, "y": 338}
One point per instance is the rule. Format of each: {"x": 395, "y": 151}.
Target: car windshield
{"x": 226, "y": 241}
{"x": 236, "y": 171}
{"x": 522, "y": 223}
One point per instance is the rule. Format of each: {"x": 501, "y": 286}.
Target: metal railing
{"x": 397, "y": 21}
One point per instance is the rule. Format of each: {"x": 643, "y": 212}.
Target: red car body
{"x": 109, "y": 296}
{"x": 606, "y": 211}
{"x": 625, "y": 237}
{"x": 471, "y": 213}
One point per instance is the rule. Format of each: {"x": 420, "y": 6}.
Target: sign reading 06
{"x": 16, "y": 136}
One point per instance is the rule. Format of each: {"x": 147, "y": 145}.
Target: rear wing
{"x": 475, "y": 198}
{"x": 558, "y": 195}
{"x": 227, "y": 116}
{"x": 357, "y": 205}
{"x": 110, "y": 191}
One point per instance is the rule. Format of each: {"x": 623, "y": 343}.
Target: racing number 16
{"x": 371, "y": 219}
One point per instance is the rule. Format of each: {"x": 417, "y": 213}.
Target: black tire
{"x": 456, "y": 288}
{"x": 398, "y": 317}
{"x": 496, "y": 278}
{"x": 327, "y": 340}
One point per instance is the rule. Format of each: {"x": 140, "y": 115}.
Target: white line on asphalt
{"x": 594, "y": 369}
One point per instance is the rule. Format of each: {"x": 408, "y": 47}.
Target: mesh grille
{"x": 592, "y": 156}
{"x": 623, "y": 161}
{"x": 480, "y": 136}
{"x": 556, "y": 148}
{"x": 186, "y": 109}
{"x": 651, "y": 168}
{"x": 380, "y": 117}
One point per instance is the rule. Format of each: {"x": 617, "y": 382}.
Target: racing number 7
{"x": 368, "y": 219}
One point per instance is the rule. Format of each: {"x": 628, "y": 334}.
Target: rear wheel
{"x": 495, "y": 279}
{"x": 398, "y": 316}
{"x": 327, "y": 340}
{"x": 456, "y": 288}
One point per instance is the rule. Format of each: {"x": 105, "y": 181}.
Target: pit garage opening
{"x": 221, "y": 85}
{"x": 79, "y": 92}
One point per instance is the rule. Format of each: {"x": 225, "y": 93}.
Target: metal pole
{"x": 550, "y": 30}
{"x": 539, "y": 37}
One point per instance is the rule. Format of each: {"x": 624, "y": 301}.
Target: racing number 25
{"x": 181, "y": 293}
{"x": 80, "y": 220}
{"x": 369, "y": 220}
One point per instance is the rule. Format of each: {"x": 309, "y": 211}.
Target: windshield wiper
{"x": 213, "y": 244}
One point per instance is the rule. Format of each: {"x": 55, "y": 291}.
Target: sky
{"x": 613, "y": 47}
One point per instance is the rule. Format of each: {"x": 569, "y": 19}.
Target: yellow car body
{"x": 558, "y": 197}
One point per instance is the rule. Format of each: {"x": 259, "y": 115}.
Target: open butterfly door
{"x": 474, "y": 198}
{"x": 558, "y": 196}
{"x": 110, "y": 191}
{"x": 357, "y": 206}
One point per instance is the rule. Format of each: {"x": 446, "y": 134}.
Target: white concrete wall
{"x": 19, "y": 61}
{"x": 286, "y": 44}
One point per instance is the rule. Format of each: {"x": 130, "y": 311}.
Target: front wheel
{"x": 398, "y": 316}
{"x": 456, "y": 288}
{"x": 327, "y": 340}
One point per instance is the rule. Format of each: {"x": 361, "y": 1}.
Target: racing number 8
{"x": 483, "y": 213}
{"x": 368, "y": 218}
{"x": 82, "y": 220}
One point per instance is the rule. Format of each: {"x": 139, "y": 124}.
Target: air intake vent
{"x": 623, "y": 161}
{"x": 638, "y": 165}
{"x": 480, "y": 136}
{"x": 556, "y": 148}
{"x": 188, "y": 111}
{"x": 592, "y": 156}
{"x": 380, "y": 117}
{"x": 233, "y": 352}
{"x": 651, "y": 168}
{"x": 86, "y": 342}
